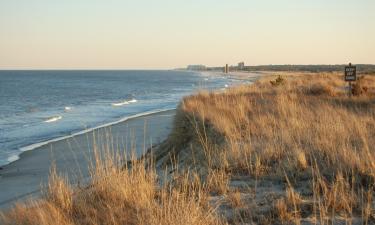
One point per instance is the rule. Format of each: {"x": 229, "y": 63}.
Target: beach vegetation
{"x": 302, "y": 153}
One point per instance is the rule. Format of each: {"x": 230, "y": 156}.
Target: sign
{"x": 350, "y": 73}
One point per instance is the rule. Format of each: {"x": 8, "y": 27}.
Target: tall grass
{"x": 305, "y": 127}
{"x": 303, "y": 131}
{"x": 116, "y": 195}
{"x": 292, "y": 123}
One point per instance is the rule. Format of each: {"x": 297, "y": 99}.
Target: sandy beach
{"x": 23, "y": 178}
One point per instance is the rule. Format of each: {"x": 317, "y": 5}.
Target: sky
{"x": 164, "y": 34}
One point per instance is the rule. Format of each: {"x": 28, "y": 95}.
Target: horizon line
{"x": 161, "y": 69}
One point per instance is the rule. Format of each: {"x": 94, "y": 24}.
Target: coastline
{"x": 236, "y": 75}
{"x": 37, "y": 145}
{"x": 72, "y": 154}
{"x": 66, "y": 109}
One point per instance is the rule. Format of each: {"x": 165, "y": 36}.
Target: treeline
{"x": 361, "y": 68}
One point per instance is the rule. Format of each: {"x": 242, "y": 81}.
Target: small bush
{"x": 321, "y": 89}
{"x": 359, "y": 88}
{"x": 279, "y": 81}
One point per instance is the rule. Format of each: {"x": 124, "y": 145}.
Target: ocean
{"x": 39, "y": 106}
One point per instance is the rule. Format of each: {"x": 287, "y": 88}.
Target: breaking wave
{"x": 124, "y": 102}
{"x": 53, "y": 119}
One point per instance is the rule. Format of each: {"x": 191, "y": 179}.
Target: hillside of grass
{"x": 287, "y": 150}
{"x": 293, "y": 149}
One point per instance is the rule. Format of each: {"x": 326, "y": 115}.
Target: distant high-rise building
{"x": 241, "y": 66}
{"x": 226, "y": 68}
{"x": 196, "y": 67}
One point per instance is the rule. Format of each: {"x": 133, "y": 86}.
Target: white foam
{"x": 53, "y": 119}
{"x": 226, "y": 85}
{"x": 67, "y": 108}
{"x": 13, "y": 158}
{"x": 124, "y": 102}
{"x": 120, "y": 103}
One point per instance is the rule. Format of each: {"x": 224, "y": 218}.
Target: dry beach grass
{"x": 115, "y": 195}
{"x": 301, "y": 135}
{"x": 291, "y": 149}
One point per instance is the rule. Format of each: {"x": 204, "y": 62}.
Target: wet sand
{"x": 23, "y": 178}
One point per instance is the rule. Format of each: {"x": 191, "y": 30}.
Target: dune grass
{"x": 300, "y": 136}
{"x": 306, "y": 117}
{"x": 116, "y": 195}
{"x": 304, "y": 129}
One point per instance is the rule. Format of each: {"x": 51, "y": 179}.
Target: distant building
{"x": 196, "y": 67}
{"x": 241, "y": 66}
{"x": 226, "y": 69}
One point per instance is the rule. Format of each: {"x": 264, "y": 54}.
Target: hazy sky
{"x": 124, "y": 34}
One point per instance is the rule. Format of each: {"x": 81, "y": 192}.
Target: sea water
{"x": 39, "y": 106}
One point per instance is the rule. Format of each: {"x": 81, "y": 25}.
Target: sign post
{"x": 350, "y": 76}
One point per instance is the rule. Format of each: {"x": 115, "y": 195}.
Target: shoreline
{"x": 37, "y": 145}
{"x": 236, "y": 75}
{"x": 22, "y": 179}
{"x": 72, "y": 155}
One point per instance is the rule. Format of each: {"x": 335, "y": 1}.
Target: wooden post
{"x": 350, "y": 85}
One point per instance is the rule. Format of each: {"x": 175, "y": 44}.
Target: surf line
{"x": 124, "y": 102}
{"x": 53, "y": 119}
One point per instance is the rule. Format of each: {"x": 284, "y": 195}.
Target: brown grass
{"x": 303, "y": 131}
{"x": 291, "y": 123}
{"x": 303, "y": 126}
{"x": 235, "y": 199}
{"x": 115, "y": 196}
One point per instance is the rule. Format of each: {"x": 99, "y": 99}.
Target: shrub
{"x": 279, "y": 81}
{"x": 359, "y": 87}
{"x": 321, "y": 89}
